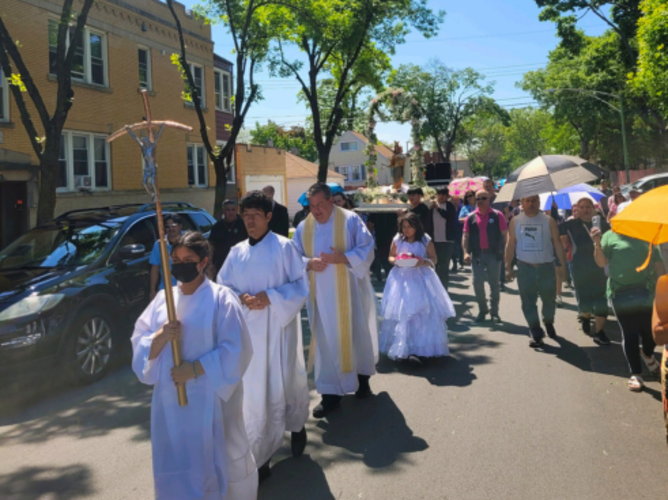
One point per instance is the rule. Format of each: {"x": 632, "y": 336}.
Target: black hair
{"x": 443, "y": 190}
{"x": 173, "y": 217}
{"x": 195, "y": 242}
{"x": 320, "y": 187}
{"x": 415, "y": 190}
{"x": 256, "y": 199}
{"x": 414, "y": 221}
{"x": 350, "y": 202}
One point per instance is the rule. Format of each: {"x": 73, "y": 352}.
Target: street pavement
{"x": 494, "y": 420}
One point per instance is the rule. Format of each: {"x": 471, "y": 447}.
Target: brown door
{"x": 13, "y": 211}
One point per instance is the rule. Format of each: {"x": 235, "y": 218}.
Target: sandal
{"x": 636, "y": 383}
{"x": 652, "y": 364}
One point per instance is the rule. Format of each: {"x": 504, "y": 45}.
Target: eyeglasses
{"x": 171, "y": 226}
{"x": 482, "y": 199}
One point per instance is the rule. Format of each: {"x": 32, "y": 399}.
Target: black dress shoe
{"x": 328, "y": 404}
{"x": 480, "y": 318}
{"x": 298, "y": 442}
{"x": 364, "y": 389}
{"x": 496, "y": 319}
{"x": 264, "y": 472}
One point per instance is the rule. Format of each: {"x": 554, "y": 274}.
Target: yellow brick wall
{"x": 107, "y": 110}
{"x": 259, "y": 160}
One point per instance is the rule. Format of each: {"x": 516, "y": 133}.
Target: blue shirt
{"x": 155, "y": 261}
{"x": 466, "y": 211}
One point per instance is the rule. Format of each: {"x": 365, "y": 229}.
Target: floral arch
{"x": 403, "y": 107}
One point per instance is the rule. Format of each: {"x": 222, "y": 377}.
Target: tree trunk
{"x": 584, "y": 149}
{"x": 323, "y": 163}
{"x": 221, "y": 187}
{"x": 49, "y": 169}
{"x": 448, "y": 152}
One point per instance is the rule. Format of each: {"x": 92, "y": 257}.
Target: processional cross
{"x": 148, "y": 145}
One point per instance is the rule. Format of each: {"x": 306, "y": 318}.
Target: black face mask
{"x": 185, "y": 272}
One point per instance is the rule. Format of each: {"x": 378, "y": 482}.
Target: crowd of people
{"x": 239, "y": 298}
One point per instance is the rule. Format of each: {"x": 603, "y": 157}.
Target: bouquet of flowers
{"x": 407, "y": 260}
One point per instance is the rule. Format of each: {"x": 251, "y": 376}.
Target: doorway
{"x": 13, "y": 211}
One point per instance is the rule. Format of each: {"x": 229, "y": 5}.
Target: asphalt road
{"x": 495, "y": 420}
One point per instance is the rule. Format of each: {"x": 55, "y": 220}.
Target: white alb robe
{"x": 329, "y": 377}
{"x": 276, "y": 396}
{"x": 200, "y": 451}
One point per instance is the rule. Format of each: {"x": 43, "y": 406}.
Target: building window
{"x": 144, "y": 56}
{"x": 4, "y": 98}
{"x": 83, "y": 162}
{"x": 198, "y": 76}
{"x": 197, "y": 166}
{"x": 356, "y": 173}
{"x": 223, "y": 90}
{"x": 349, "y": 146}
{"x": 90, "y": 58}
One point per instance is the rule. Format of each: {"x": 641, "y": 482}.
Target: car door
{"x": 204, "y": 222}
{"x": 132, "y": 277}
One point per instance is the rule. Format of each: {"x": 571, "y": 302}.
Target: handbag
{"x": 632, "y": 298}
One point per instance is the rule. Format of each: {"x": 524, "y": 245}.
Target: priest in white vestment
{"x": 267, "y": 273}
{"x": 337, "y": 250}
{"x": 200, "y": 451}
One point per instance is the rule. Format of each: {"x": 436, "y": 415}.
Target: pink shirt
{"x": 491, "y": 217}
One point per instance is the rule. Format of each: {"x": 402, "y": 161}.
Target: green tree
{"x": 483, "y": 141}
{"x": 349, "y": 41}
{"x": 295, "y": 137}
{"x": 245, "y": 21}
{"x": 651, "y": 77}
{"x": 448, "y": 98}
{"x": 46, "y": 144}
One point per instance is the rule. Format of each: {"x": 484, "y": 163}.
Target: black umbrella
{"x": 546, "y": 174}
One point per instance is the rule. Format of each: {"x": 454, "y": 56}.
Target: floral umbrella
{"x": 459, "y": 186}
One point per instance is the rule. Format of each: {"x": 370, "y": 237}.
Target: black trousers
{"x": 636, "y": 325}
{"x": 444, "y": 254}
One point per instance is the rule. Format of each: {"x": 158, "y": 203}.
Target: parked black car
{"x": 70, "y": 290}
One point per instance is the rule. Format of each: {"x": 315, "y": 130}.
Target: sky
{"x": 502, "y": 39}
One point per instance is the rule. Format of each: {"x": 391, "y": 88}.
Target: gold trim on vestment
{"x": 342, "y": 284}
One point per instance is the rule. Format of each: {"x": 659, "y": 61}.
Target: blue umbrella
{"x": 565, "y": 198}
{"x": 336, "y": 189}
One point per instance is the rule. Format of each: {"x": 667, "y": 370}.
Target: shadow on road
{"x": 373, "y": 429}
{"x": 296, "y": 479}
{"x": 118, "y": 401}
{"x": 56, "y": 483}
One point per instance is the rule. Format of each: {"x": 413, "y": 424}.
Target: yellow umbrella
{"x": 645, "y": 219}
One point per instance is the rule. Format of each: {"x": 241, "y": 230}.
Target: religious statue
{"x": 148, "y": 153}
{"x": 397, "y": 164}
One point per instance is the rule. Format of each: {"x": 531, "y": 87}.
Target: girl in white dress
{"x": 200, "y": 451}
{"x": 415, "y": 305}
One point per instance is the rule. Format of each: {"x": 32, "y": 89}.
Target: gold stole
{"x": 342, "y": 283}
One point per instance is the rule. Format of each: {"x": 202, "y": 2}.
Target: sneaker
{"x": 601, "y": 338}
{"x": 536, "y": 337}
{"x": 481, "y": 317}
{"x": 551, "y": 332}
{"x": 496, "y": 319}
{"x": 586, "y": 325}
{"x": 560, "y": 301}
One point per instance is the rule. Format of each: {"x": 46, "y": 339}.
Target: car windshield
{"x": 60, "y": 245}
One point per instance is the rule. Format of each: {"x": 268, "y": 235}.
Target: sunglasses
{"x": 482, "y": 199}
{"x": 171, "y": 226}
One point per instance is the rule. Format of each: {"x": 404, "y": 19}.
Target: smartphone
{"x": 596, "y": 222}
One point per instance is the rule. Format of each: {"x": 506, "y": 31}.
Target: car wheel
{"x": 90, "y": 349}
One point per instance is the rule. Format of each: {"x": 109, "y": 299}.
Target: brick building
{"x": 127, "y": 46}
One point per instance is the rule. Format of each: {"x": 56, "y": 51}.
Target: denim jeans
{"x": 532, "y": 283}
{"x": 486, "y": 268}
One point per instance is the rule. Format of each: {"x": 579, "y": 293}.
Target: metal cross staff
{"x": 147, "y": 145}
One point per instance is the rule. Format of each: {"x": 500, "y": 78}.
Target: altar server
{"x": 267, "y": 273}
{"x": 200, "y": 451}
{"x": 337, "y": 249}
